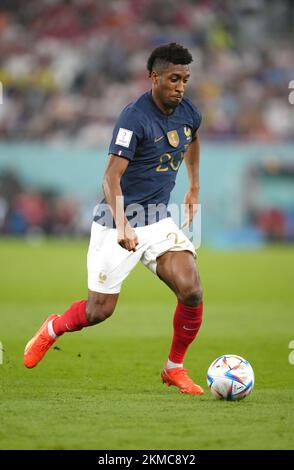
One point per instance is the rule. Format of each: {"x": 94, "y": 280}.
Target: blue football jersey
{"x": 155, "y": 144}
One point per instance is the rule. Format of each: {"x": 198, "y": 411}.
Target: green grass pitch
{"x": 101, "y": 388}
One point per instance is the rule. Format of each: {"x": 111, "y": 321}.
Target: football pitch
{"x": 101, "y": 389}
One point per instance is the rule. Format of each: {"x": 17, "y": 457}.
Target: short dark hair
{"x": 168, "y": 53}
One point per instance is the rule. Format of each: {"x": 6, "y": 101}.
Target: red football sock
{"x": 74, "y": 319}
{"x": 187, "y": 321}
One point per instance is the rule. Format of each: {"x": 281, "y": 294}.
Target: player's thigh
{"x": 165, "y": 236}
{"x": 108, "y": 263}
{"x": 178, "y": 270}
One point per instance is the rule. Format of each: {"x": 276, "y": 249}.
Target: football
{"x": 230, "y": 377}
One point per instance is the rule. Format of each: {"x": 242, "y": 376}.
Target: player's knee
{"x": 98, "y": 312}
{"x": 191, "y": 296}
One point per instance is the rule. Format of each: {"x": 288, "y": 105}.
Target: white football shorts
{"x": 109, "y": 264}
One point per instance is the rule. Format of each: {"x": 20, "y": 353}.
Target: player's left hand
{"x": 191, "y": 206}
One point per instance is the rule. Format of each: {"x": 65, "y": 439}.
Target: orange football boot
{"x": 38, "y": 345}
{"x": 179, "y": 377}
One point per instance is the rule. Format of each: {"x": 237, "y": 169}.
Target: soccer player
{"x": 152, "y": 137}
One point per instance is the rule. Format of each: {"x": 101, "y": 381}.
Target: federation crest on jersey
{"x": 102, "y": 277}
{"x": 187, "y": 132}
{"x": 173, "y": 138}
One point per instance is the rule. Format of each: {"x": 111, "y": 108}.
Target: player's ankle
{"x": 173, "y": 365}
{"x": 51, "y": 330}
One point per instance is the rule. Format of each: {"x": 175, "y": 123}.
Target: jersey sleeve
{"x": 197, "y": 118}
{"x": 127, "y": 134}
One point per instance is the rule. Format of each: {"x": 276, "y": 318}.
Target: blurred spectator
{"x": 69, "y": 66}
{"x": 272, "y": 223}
{"x": 25, "y": 211}
{"x": 66, "y": 212}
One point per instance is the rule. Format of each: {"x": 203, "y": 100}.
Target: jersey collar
{"x": 158, "y": 110}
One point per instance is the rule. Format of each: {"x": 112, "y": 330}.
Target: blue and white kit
{"x": 154, "y": 144}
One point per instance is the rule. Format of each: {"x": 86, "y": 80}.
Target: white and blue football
{"x": 230, "y": 377}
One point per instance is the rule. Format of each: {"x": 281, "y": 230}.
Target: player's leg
{"x": 178, "y": 270}
{"x": 108, "y": 265}
{"x": 80, "y": 314}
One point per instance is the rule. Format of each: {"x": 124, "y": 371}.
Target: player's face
{"x": 169, "y": 85}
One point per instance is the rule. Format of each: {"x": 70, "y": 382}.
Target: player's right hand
{"x": 128, "y": 239}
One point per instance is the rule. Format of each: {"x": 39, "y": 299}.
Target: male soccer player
{"x": 152, "y": 136}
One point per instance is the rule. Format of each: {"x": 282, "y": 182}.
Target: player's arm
{"x": 116, "y": 167}
{"x": 192, "y": 157}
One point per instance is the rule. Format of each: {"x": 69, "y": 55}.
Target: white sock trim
{"x": 51, "y": 331}
{"x": 172, "y": 365}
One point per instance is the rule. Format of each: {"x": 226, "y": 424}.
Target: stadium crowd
{"x": 35, "y": 212}
{"x": 69, "y": 66}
